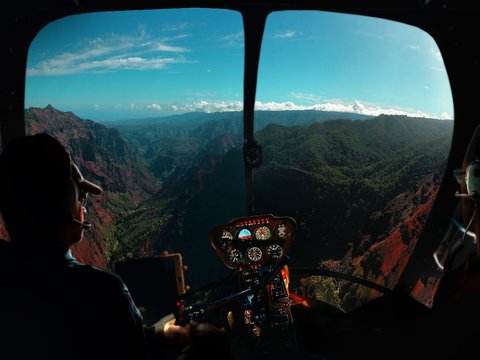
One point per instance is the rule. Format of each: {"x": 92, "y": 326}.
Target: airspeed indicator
{"x": 225, "y": 239}
{"x": 254, "y": 254}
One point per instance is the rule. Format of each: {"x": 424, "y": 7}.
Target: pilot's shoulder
{"x": 95, "y": 277}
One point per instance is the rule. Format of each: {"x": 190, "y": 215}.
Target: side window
{"x": 3, "y": 231}
{"x": 150, "y": 104}
{"x": 354, "y": 115}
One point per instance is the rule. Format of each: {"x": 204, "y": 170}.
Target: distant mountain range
{"x": 170, "y": 143}
{"x": 347, "y": 179}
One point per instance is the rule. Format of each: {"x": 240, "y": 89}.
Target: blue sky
{"x": 119, "y": 65}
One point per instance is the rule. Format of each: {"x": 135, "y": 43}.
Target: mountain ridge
{"x": 340, "y": 179}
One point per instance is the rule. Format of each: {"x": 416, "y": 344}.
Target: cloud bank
{"x": 356, "y": 107}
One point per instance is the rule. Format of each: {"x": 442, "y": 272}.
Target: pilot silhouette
{"x": 463, "y": 283}
{"x": 456, "y": 306}
{"x": 51, "y": 305}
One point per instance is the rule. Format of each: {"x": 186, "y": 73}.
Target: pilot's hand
{"x": 173, "y": 331}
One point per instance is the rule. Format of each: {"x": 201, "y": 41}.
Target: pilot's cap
{"x": 36, "y": 174}
{"x": 84, "y": 184}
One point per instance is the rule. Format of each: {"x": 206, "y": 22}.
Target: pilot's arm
{"x": 168, "y": 329}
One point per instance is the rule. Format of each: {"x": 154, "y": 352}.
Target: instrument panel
{"x": 254, "y": 241}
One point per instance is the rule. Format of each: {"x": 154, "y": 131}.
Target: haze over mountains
{"x": 347, "y": 179}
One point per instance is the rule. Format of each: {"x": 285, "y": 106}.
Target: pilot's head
{"x": 42, "y": 193}
{"x": 469, "y": 179}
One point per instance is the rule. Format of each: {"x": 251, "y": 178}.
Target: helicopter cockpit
{"x": 279, "y": 170}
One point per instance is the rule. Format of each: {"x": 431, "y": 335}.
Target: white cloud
{"x": 101, "y": 66}
{"x": 176, "y": 27}
{"x": 356, "y": 107}
{"x": 169, "y": 48}
{"x": 116, "y": 52}
{"x": 276, "y": 106}
{"x": 175, "y": 37}
{"x": 285, "y": 34}
{"x": 210, "y": 106}
{"x": 446, "y": 116}
{"x": 154, "y": 107}
{"x": 235, "y": 39}
{"x": 361, "y": 108}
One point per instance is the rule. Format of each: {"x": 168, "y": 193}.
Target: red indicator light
{"x": 284, "y": 274}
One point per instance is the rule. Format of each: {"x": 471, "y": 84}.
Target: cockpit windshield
{"x": 354, "y": 116}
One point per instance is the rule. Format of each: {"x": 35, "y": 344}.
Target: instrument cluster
{"x": 254, "y": 241}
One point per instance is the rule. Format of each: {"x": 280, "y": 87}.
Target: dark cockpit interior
{"x": 283, "y": 170}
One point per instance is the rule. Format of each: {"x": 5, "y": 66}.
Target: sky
{"x": 151, "y": 63}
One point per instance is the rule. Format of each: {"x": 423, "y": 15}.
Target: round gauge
{"x": 225, "y": 238}
{"x": 235, "y": 256}
{"x": 282, "y": 231}
{"x": 244, "y": 234}
{"x": 263, "y": 233}
{"x": 254, "y": 254}
{"x": 275, "y": 251}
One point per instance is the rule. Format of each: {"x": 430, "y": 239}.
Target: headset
{"x": 471, "y": 176}
{"x": 76, "y": 198}
{"x": 451, "y": 246}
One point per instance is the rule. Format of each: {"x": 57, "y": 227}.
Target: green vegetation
{"x": 329, "y": 175}
{"x": 321, "y": 288}
{"x": 131, "y": 235}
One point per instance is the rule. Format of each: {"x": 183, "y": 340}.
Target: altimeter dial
{"x": 263, "y": 233}
{"x": 254, "y": 254}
